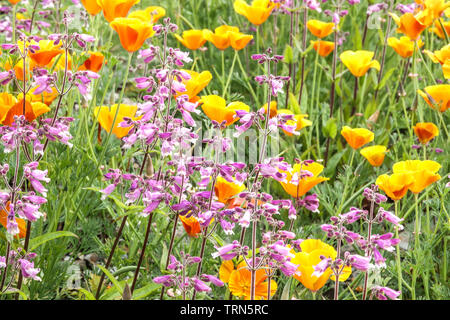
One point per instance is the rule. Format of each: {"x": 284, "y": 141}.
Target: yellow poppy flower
{"x": 113, "y": 9}
{"x": 257, "y": 12}
{"x": 91, "y": 6}
{"x": 323, "y": 48}
{"x": 225, "y": 190}
{"x": 132, "y": 32}
{"x": 403, "y": 46}
{"x": 319, "y": 28}
{"x": 195, "y": 84}
{"x": 439, "y": 94}
{"x": 106, "y": 115}
{"x": 409, "y": 25}
{"x": 216, "y": 109}
{"x": 310, "y": 256}
{"x": 374, "y": 154}
{"x": 299, "y": 120}
{"x": 359, "y": 62}
{"x": 305, "y": 177}
{"x": 192, "y": 39}
{"x": 425, "y": 131}
{"x": 18, "y": 68}
{"x": 221, "y": 36}
{"x": 155, "y": 12}
{"x": 424, "y": 173}
{"x": 431, "y": 10}
{"x": 396, "y": 185}
{"x": 94, "y": 62}
{"x": 442, "y": 57}
{"x": 357, "y": 137}
{"x": 47, "y": 51}
{"x": 32, "y": 110}
{"x": 225, "y": 270}
{"x": 240, "y": 283}
{"x": 7, "y": 101}
{"x": 239, "y": 40}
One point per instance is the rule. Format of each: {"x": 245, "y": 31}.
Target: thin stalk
{"x": 368, "y": 250}
{"x": 355, "y": 96}
{"x": 302, "y": 80}
{"x": 25, "y": 247}
{"x": 291, "y": 41}
{"x": 14, "y": 24}
{"x": 383, "y": 57}
{"x": 5, "y": 269}
{"x": 224, "y": 93}
{"x": 336, "y": 282}
{"x": 397, "y": 258}
{"x": 253, "y": 267}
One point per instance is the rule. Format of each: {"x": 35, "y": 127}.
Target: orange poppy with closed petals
{"x": 225, "y": 190}
{"x": 311, "y": 252}
{"x": 323, "y": 48}
{"x": 396, "y": 185}
{"x": 192, "y": 39}
{"x": 240, "y": 283}
{"x": 195, "y": 84}
{"x": 191, "y": 225}
{"x": 359, "y": 62}
{"x": 94, "y": 63}
{"x": 302, "y": 178}
{"x": 257, "y": 13}
{"x": 424, "y": 173}
{"x": 221, "y": 36}
{"x": 21, "y": 224}
{"x": 7, "y": 101}
{"x": 374, "y": 154}
{"x": 319, "y": 28}
{"x": 239, "y": 40}
{"x": 425, "y": 131}
{"x": 357, "y": 137}
{"x": 132, "y": 32}
{"x": 437, "y": 96}
{"x": 91, "y": 7}
{"x": 216, "y": 109}
{"x": 32, "y": 110}
{"x": 403, "y": 46}
{"x": 409, "y": 25}
{"x": 299, "y": 121}
{"x": 113, "y": 9}
{"x": 106, "y": 118}
{"x": 442, "y": 57}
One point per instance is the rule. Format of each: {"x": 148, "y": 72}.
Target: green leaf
{"x": 14, "y": 290}
{"x": 330, "y": 129}
{"x": 36, "y": 242}
{"x": 286, "y": 290}
{"x": 293, "y": 104}
{"x": 145, "y": 291}
{"x": 288, "y": 54}
{"x": 112, "y": 278}
{"x": 386, "y": 77}
{"x": 87, "y": 294}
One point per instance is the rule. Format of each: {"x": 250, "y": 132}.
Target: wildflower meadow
{"x": 224, "y": 149}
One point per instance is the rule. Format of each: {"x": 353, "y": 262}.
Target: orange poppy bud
{"x": 132, "y": 32}
{"x": 357, "y": 137}
{"x": 257, "y": 13}
{"x": 319, "y": 28}
{"x": 359, "y": 62}
{"x": 408, "y": 25}
{"x": 425, "y": 131}
{"x": 374, "y": 154}
{"x": 323, "y": 48}
{"x": 437, "y": 96}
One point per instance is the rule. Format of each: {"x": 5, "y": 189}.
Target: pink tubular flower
{"x": 28, "y": 269}
{"x": 228, "y": 251}
{"x": 382, "y": 293}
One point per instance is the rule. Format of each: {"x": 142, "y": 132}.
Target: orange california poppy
{"x": 195, "y": 84}
{"x": 273, "y": 108}
{"x": 425, "y": 131}
{"x": 216, "y": 109}
{"x": 191, "y": 225}
{"x": 311, "y": 252}
{"x": 323, "y": 48}
{"x": 396, "y": 185}
{"x": 431, "y": 10}
{"x": 116, "y": 8}
{"x": 403, "y": 46}
{"x": 299, "y": 120}
{"x": 94, "y": 62}
{"x": 225, "y": 190}
{"x": 20, "y": 222}
{"x": 18, "y": 68}
{"x": 47, "y": 51}
{"x": 225, "y": 270}
{"x": 424, "y": 173}
{"x": 437, "y": 96}
{"x": 91, "y": 6}
{"x": 302, "y": 178}
{"x": 357, "y": 137}
{"x": 221, "y": 36}
{"x": 438, "y": 29}
{"x": 359, "y": 62}
{"x": 240, "y": 283}
{"x": 14, "y": 2}
{"x": 442, "y": 57}
{"x": 132, "y": 32}
{"x": 7, "y": 101}
{"x": 32, "y": 110}
{"x": 319, "y": 28}
{"x": 374, "y": 154}
{"x": 155, "y": 13}
{"x": 45, "y": 97}
{"x": 192, "y": 39}
{"x": 257, "y": 12}
{"x": 239, "y": 40}
{"x": 409, "y": 25}
{"x": 106, "y": 118}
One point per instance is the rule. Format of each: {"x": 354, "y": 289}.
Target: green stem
{"x": 398, "y": 262}
{"x": 346, "y": 182}
{"x": 224, "y": 93}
